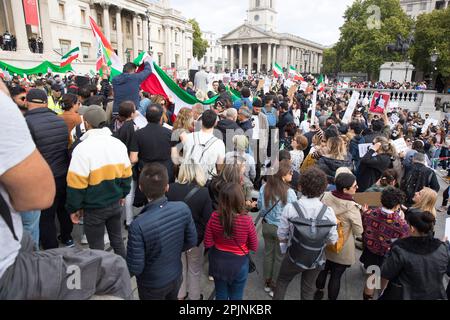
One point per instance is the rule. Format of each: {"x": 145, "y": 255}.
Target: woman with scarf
{"x": 348, "y": 213}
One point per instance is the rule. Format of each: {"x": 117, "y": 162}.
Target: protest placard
{"x": 380, "y": 102}
{"x": 266, "y": 86}
{"x": 429, "y": 122}
{"x": 304, "y": 86}
{"x": 351, "y": 107}
{"x": 400, "y": 145}
{"x": 140, "y": 121}
{"x": 292, "y": 91}
{"x": 261, "y": 83}
{"x": 364, "y": 148}
{"x": 394, "y": 120}
{"x": 313, "y": 112}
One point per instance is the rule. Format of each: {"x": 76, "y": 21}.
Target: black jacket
{"x": 419, "y": 266}
{"x": 371, "y": 168}
{"x": 51, "y": 136}
{"x": 417, "y": 178}
{"x": 200, "y": 204}
{"x": 227, "y": 124}
{"x": 283, "y": 121}
{"x": 330, "y": 166}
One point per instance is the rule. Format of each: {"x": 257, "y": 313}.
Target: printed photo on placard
{"x": 380, "y": 102}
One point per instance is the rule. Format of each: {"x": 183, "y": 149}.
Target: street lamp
{"x": 306, "y": 56}
{"x": 434, "y": 56}
{"x": 392, "y": 70}
{"x": 147, "y": 13}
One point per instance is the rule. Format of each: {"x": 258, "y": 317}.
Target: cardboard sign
{"x": 364, "y": 148}
{"x": 394, "y": 120}
{"x": 266, "y": 86}
{"x": 393, "y": 105}
{"x": 372, "y": 199}
{"x": 260, "y": 85}
{"x": 304, "y": 86}
{"x": 140, "y": 121}
{"x": 380, "y": 102}
{"x": 351, "y": 107}
{"x": 400, "y": 145}
{"x": 292, "y": 91}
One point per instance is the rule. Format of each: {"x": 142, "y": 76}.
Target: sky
{"x": 316, "y": 20}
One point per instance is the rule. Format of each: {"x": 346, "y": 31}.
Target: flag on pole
{"x": 321, "y": 83}
{"x": 70, "y": 56}
{"x": 295, "y": 75}
{"x": 108, "y": 56}
{"x": 277, "y": 70}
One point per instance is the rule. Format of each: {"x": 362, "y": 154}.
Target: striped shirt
{"x": 244, "y": 235}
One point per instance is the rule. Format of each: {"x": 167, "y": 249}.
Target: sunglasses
{"x": 22, "y": 98}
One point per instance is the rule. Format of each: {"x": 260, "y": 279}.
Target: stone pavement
{"x": 352, "y": 282}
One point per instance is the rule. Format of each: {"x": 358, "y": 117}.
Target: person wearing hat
{"x": 54, "y": 99}
{"x": 245, "y": 122}
{"x": 98, "y": 181}
{"x": 51, "y": 136}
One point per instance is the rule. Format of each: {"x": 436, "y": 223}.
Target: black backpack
{"x": 416, "y": 180}
{"x": 5, "y": 213}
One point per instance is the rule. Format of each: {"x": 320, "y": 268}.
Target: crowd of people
{"x": 8, "y": 41}
{"x": 91, "y": 151}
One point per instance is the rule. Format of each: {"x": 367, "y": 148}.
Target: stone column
{"x": 269, "y": 57}
{"x": 241, "y": 56}
{"x": 259, "y": 58}
{"x": 224, "y": 56}
{"x": 120, "y": 52}
{"x": 45, "y": 27}
{"x": 19, "y": 26}
{"x": 146, "y": 47}
{"x": 93, "y": 12}
{"x": 274, "y": 57}
{"x": 8, "y": 27}
{"x": 250, "y": 59}
{"x": 106, "y": 24}
{"x": 167, "y": 51}
{"x": 232, "y": 59}
{"x": 135, "y": 37}
{"x": 183, "y": 49}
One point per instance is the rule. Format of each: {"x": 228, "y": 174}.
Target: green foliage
{"x": 433, "y": 31}
{"x": 362, "y": 45}
{"x": 200, "y": 44}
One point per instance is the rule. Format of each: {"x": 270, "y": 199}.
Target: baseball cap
{"x": 95, "y": 116}
{"x": 37, "y": 96}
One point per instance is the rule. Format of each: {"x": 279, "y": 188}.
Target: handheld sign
{"x": 351, "y": 107}
{"x": 260, "y": 84}
{"x": 292, "y": 91}
{"x": 313, "y": 112}
{"x": 380, "y": 102}
{"x": 364, "y": 148}
{"x": 400, "y": 145}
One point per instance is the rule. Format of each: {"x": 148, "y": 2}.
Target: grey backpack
{"x": 309, "y": 239}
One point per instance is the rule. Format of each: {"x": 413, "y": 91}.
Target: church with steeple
{"x": 256, "y": 45}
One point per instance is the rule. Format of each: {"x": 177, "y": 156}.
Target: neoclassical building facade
{"x": 256, "y": 45}
{"x": 132, "y": 26}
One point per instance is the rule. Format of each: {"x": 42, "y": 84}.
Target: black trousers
{"x": 336, "y": 271}
{"x": 47, "y": 226}
{"x": 169, "y": 292}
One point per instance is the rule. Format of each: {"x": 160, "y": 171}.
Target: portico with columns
{"x": 256, "y": 50}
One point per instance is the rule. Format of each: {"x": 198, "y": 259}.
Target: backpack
{"x": 198, "y": 150}
{"x": 415, "y": 181}
{"x": 309, "y": 239}
{"x": 5, "y": 213}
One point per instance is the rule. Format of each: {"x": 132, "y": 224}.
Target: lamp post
{"x": 392, "y": 70}
{"x": 434, "y": 56}
{"x": 147, "y": 13}
{"x": 306, "y": 56}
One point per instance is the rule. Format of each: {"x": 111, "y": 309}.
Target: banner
{"x": 31, "y": 12}
{"x": 351, "y": 107}
{"x": 43, "y": 68}
{"x": 380, "y": 102}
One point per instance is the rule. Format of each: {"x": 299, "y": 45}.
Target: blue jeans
{"x": 233, "y": 291}
{"x": 30, "y": 222}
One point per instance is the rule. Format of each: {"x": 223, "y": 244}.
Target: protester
{"x": 417, "y": 264}
{"x": 230, "y": 235}
{"x": 308, "y": 262}
{"x": 241, "y": 145}
{"x": 98, "y": 182}
{"x": 336, "y": 157}
{"x": 348, "y": 213}
{"x": 70, "y": 106}
{"x": 381, "y": 227}
{"x": 229, "y": 126}
{"x": 157, "y": 238}
{"x": 190, "y": 189}
{"x": 273, "y": 198}
{"x": 389, "y": 178}
{"x": 426, "y": 200}
{"x": 55, "y": 98}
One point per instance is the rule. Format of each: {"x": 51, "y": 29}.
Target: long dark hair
{"x": 231, "y": 204}
{"x": 230, "y": 173}
{"x": 275, "y": 187}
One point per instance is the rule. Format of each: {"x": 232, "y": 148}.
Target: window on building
{"x": 85, "y": 47}
{"x": 176, "y": 37}
{"x": 271, "y": 3}
{"x": 409, "y": 7}
{"x": 257, "y": 18}
{"x": 114, "y": 24}
{"x": 258, "y": 3}
{"x": 128, "y": 27}
{"x": 100, "y": 20}
{"x": 159, "y": 34}
{"x": 62, "y": 11}
{"x": 211, "y": 59}
{"x": 205, "y": 60}
{"x": 65, "y": 46}
{"x": 83, "y": 16}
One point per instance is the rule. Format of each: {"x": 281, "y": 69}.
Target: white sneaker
{"x": 271, "y": 293}
{"x": 106, "y": 239}
{"x": 267, "y": 289}
{"x": 84, "y": 240}
{"x": 211, "y": 278}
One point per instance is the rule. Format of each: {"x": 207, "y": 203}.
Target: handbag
{"x": 251, "y": 263}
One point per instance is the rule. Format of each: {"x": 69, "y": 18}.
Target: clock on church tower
{"x": 262, "y": 14}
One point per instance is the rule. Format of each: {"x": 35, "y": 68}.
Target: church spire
{"x": 262, "y": 14}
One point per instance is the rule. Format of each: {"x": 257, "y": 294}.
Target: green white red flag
{"x": 295, "y": 75}
{"x": 277, "y": 70}
{"x": 70, "y": 56}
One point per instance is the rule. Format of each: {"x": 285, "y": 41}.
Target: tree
{"x": 370, "y": 25}
{"x": 433, "y": 31}
{"x": 200, "y": 44}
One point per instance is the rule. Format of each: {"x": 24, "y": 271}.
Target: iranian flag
{"x": 295, "y": 75}
{"x": 159, "y": 83}
{"x": 70, "y": 56}
{"x": 277, "y": 70}
{"x": 2, "y": 75}
{"x": 106, "y": 54}
{"x": 321, "y": 83}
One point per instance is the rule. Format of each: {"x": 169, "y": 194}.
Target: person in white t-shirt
{"x": 204, "y": 148}
{"x": 27, "y": 183}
